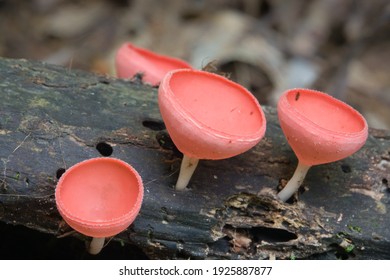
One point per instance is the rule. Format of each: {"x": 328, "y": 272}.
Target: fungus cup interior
{"x": 99, "y": 197}
{"x": 217, "y": 104}
{"x": 325, "y": 111}
{"x": 131, "y": 60}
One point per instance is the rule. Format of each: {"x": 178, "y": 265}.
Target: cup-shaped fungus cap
{"x": 320, "y": 128}
{"x": 131, "y": 60}
{"x": 209, "y": 116}
{"x": 99, "y": 197}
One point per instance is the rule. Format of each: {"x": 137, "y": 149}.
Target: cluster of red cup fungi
{"x": 208, "y": 117}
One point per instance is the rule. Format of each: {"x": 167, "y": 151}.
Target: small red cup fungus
{"x": 99, "y": 197}
{"x": 208, "y": 117}
{"x": 320, "y": 129}
{"x": 131, "y": 60}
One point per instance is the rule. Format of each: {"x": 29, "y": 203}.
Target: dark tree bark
{"x": 52, "y": 117}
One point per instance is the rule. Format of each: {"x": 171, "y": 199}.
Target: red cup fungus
{"x": 320, "y": 129}
{"x": 99, "y": 197}
{"x": 208, "y": 117}
{"x": 131, "y": 60}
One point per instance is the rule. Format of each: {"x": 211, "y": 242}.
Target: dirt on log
{"x": 53, "y": 117}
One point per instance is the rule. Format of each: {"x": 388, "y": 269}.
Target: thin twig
{"x": 164, "y": 176}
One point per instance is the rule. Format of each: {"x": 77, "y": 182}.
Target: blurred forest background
{"x": 338, "y": 46}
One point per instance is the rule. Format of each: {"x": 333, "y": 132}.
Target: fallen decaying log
{"x": 52, "y": 117}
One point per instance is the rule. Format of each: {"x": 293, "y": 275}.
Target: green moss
{"x": 341, "y": 235}
{"x": 37, "y": 102}
{"x": 355, "y": 228}
{"x": 349, "y": 248}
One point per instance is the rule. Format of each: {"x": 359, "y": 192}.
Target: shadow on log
{"x": 52, "y": 118}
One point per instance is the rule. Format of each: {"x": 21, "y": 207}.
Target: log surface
{"x": 52, "y": 117}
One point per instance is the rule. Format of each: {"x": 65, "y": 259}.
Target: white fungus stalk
{"x": 96, "y": 245}
{"x": 187, "y": 168}
{"x": 295, "y": 182}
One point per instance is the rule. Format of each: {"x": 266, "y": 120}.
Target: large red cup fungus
{"x": 320, "y": 129}
{"x": 208, "y": 117}
{"x": 99, "y": 198}
{"x": 131, "y": 60}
